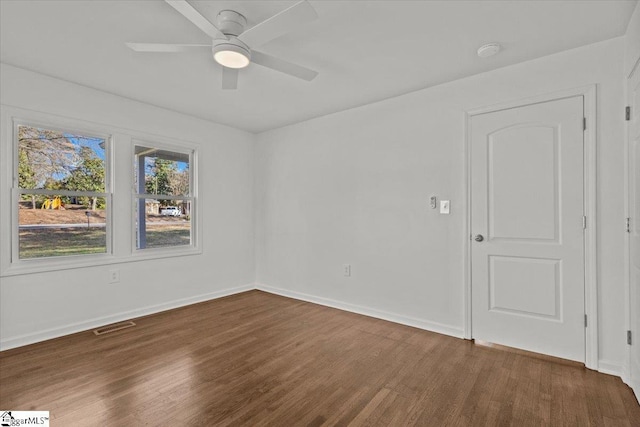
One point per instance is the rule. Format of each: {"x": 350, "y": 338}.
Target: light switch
{"x": 444, "y": 206}
{"x": 433, "y": 202}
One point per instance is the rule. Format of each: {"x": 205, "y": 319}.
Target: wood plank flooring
{"x": 263, "y": 360}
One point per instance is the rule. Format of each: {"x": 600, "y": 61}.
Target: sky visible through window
{"x": 52, "y": 224}
{"x": 48, "y": 158}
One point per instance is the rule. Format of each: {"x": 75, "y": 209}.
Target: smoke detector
{"x": 488, "y": 50}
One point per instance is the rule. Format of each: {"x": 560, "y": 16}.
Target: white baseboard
{"x": 608, "y": 367}
{"x": 611, "y": 368}
{"x": 21, "y": 340}
{"x": 635, "y": 386}
{"x": 366, "y": 311}
{"x": 625, "y": 375}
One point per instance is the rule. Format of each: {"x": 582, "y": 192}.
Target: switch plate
{"x": 444, "y": 206}
{"x": 346, "y": 269}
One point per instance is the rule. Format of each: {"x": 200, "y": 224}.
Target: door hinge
{"x": 584, "y": 123}
{"x": 585, "y": 320}
{"x": 627, "y": 113}
{"x": 629, "y": 337}
{"x": 628, "y": 224}
{"x": 584, "y": 222}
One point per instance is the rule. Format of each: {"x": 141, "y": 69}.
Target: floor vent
{"x": 115, "y": 327}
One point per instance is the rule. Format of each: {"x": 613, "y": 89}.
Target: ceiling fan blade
{"x": 229, "y": 78}
{"x": 165, "y": 48}
{"x": 184, "y": 8}
{"x": 283, "y": 66}
{"x": 279, "y": 24}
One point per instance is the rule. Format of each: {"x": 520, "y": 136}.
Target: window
{"x": 164, "y": 198}
{"x": 61, "y": 199}
{"x": 61, "y": 184}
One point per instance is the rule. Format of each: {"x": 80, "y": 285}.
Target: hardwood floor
{"x": 259, "y": 359}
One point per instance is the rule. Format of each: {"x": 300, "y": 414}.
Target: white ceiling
{"x": 364, "y": 50}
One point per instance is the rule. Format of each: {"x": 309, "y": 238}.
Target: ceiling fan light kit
{"x": 230, "y": 42}
{"x": 231, "y": 53}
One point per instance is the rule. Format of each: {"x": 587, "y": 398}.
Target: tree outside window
{"x": 62, "y": 192}
{"x": 164, "y": 198}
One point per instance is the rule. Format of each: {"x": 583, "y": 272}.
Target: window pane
{"x": 60, "y": 226}
{"x": 55, "y": 160}
{"x": 165, "y": 172}
{"x": 163, "y": 223}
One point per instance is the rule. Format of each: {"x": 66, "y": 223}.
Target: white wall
{"x": 353, "y": 187}
{"x": 632, "y": 41}
{"x": 39, "y": 306}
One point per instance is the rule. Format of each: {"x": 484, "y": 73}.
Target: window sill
{"x": 35, "y": 266}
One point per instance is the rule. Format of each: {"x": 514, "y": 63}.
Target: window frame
{"x": 120, "y": 183}
{"x": 177, "y": 147}
{"x": 57, "y": 262}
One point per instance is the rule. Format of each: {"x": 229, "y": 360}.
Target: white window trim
{"x": 194, "y": 247}
{"x": 121, "y": 141}
{"x": 31, "y": 264}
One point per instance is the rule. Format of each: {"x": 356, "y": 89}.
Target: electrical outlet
{"x": 114, "y": 276}
{"x": 346, "y": 269}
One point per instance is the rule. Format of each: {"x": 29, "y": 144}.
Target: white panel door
{"x": 527, "y": 199}
{"x": 634, "y": 221}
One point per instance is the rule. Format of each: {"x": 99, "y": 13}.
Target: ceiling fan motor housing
{"x": 231, "y": 23}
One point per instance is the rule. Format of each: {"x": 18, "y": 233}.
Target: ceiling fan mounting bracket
{"x": 231, "y": 23}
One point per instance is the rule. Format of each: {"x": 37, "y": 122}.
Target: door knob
{"x": 479, "y": 238}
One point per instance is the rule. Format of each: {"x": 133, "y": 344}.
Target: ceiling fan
{"x": 233, "y": 46}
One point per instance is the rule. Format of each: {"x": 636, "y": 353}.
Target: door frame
{"x": 629, "y": 309}
{"x": 590, "y": 179}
